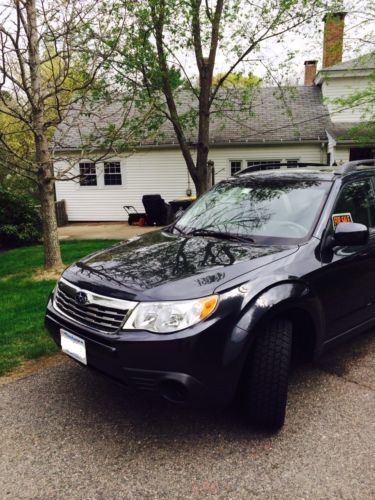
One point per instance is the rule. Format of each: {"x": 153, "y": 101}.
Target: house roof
{"x": 268, "y": 115}
{"x": 351, "y": 131}
{"x": 366, "y": 61}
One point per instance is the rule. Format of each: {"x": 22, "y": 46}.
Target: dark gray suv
{"x": 271, "y": 260}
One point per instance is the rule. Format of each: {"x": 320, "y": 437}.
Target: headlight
{"x": 167, "y": 317}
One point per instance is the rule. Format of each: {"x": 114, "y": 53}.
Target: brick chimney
{"x": 333, "y": 38}
{"x": 310, "y": 72}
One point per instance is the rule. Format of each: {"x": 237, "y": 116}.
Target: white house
{"x": 281, "y": 124}
{"x": 340, "y": 81}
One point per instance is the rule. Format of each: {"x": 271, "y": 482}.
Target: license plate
{"x": 73, "y": 346}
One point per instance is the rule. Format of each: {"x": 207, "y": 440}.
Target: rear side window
{"x": 356, "y": 203}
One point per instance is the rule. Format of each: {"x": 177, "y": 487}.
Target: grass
{"x": 23, "y": 301}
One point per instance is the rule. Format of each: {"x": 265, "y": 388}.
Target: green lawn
{"x": 23, "y": 301}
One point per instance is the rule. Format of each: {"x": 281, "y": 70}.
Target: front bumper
{"x": 198, "y": 366}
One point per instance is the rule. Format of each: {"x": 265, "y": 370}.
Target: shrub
{"x": 20, "y": 222}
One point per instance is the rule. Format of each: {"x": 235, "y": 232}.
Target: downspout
{"x": 331, "y": 147}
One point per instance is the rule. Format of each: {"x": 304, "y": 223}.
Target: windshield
{"x": 262, "y": 210}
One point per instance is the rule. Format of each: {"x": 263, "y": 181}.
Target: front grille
{"x": 99, "y": 317}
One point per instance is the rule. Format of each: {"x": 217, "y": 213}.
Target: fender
{"x": 288, "y": 294}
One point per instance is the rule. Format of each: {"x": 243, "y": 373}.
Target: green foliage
{"x": 23, "y": 301}
{"x": 26, "y": 260}
{"x": 20, "y": 222}
{"x": 238, "y": 80}
{"x": 22, "y": 334}
{"x": 17, "y": 184}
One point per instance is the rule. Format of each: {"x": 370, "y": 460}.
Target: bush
{"x": 20, "y": 222}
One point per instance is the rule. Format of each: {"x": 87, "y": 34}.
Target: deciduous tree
{"x": 173, "y": 39}
{"x": 51, "y": 57}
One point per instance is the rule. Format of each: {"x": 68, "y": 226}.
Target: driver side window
{"x": 355, "y": 204}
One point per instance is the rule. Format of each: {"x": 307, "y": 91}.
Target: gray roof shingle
{"x": 366, "y": 61}
{"x": 351, "y": 131}
{"x": 271, "y": 114}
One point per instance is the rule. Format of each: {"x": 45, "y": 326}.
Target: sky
{"x": 359, "y": 38}
{"x": 272, "y": 64}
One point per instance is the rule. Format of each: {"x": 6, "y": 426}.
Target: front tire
{"x": 265, "y": 384}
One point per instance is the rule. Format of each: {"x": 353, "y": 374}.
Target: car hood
{"x": 164, "y": 266}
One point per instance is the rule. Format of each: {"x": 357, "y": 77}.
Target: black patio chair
{"x": 158, "y": 212}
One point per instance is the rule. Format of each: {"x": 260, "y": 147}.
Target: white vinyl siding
{"x": 341, "y": 154}
{"x": 333, "y": 88}
{"x": 161, "y": 172}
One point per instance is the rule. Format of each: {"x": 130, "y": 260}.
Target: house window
{"x": 251, "y": 163}
{"x": 112, "y": 173}
{"x": 87, "y": 173}
{"x": 235, "y": 166}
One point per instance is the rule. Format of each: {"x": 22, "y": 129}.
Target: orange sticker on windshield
{"x": 337, "y": 218}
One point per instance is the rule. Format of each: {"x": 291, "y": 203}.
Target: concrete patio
{"x": 101, "y": 231}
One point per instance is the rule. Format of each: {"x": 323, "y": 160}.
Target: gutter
{"x": 341, "y": 73}
{"x": 212, "y": 145}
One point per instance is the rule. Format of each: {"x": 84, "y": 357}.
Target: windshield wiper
{"x": 177, "y": 229}
{"x": 172, "y": 227}
{"x": 220, "y": 234}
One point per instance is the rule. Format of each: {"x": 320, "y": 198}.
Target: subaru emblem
{"x": 81, "y": 298}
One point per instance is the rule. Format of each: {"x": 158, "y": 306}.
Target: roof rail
{"x": 352, "y": 166}
{"x": 276, "y": 166}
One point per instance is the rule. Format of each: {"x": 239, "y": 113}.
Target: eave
{"x": 327, "y": 74}
{"x": 219, "y": 144}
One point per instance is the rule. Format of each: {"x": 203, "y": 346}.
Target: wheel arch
{"x": 293, "y": 301}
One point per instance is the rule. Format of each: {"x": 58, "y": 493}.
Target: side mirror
{"x": 351, "y": 234}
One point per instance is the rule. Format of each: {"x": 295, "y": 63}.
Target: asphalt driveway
{"x": 69, "y": 433}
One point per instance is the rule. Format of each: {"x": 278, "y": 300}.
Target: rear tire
{"x": 265, "y": 383}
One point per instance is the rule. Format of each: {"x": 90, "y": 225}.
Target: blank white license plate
{"x": 73, "y": 346}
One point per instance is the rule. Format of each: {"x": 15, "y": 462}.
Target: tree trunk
{"x": 203, "y": 168}
{"x": 52, "y": 254}
{"x": 204, "y": 180}
{"x": 201, "y": 172}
